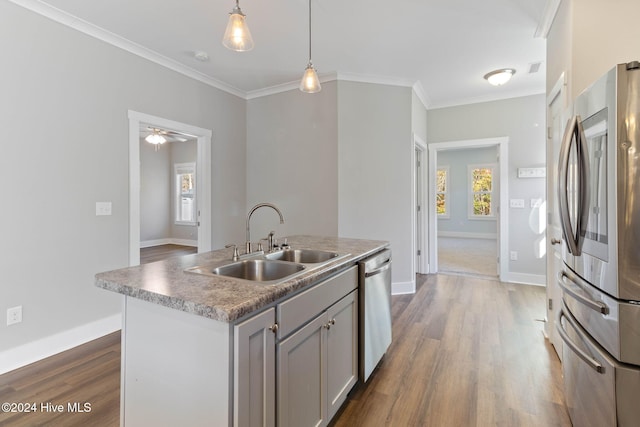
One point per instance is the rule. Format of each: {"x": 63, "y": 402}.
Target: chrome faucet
{"x": 253, "y": 209}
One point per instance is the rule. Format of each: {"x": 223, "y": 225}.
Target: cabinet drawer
{"x": 298, "y": 310}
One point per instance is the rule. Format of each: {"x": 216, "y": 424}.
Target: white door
{"x": 555, "y": 128}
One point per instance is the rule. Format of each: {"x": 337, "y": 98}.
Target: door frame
{"x": 503, "y": 214}
{"x": 203, "y": 178}
{"x": 557, "y": 94}
{"x": 419, "y": 218}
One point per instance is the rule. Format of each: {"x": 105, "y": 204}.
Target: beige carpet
{"x": 467, "y": 256}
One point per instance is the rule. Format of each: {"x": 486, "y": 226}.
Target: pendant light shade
{"x": 310, "y": 82}
{"x": 237, "y": 35}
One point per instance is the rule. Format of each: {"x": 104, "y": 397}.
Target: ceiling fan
{"x": 159, "y": 136}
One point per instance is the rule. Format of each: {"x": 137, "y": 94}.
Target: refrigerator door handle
{"x": 574, "y": 129}
{"x": 563, "y": 165}
{"x": 593, "y": 363}
{"x": 584, "y": 189}
{"x": 598, "y": 306}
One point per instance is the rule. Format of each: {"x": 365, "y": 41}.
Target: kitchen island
{"x": 201, "y": 349}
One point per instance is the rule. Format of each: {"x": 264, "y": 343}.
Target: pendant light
{"x": 237, "y": 35}
{"x": 310, "y": 82}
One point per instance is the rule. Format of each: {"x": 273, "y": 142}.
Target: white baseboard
{"x": 467, "y": 235}
{"x": 401, "y": 288}
{"x": 26, "y": 354}
{"x": 168, "y": 241}
{"x": 525, "y": 279}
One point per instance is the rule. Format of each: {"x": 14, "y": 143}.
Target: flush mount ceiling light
{"x": 237, "y": 35}
{"x": 310, "y": 82}
{"x": 499, "y": 77}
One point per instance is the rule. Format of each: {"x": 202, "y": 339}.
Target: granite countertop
{"x": 222, "y": 298}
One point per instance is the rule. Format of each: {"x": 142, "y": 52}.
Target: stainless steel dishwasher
{"x": 375, "y": 310}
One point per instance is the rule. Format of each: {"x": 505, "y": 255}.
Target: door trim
{"x": 423, "y": 266}
{"x": 503, "y": 217}
{"x": 203, "y": 178}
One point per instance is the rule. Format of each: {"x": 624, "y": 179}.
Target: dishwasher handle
{"x": 379, "y": 270}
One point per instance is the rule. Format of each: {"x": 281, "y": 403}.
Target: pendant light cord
{"x": 309, "y": 31}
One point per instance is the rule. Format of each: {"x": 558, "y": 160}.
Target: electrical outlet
{"x": 103, "y": 208}
{"x": 513, "y": 256}
{"x": 14, "y": 315}
{"x": 536, "y": 203}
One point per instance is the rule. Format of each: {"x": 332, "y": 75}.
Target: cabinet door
{"x": 342, "y": 351}
{"x": 254, "y": 371}
{"x": 301, "y": 382}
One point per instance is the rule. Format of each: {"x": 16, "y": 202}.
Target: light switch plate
{"x": 516, "y": 203}
{"x": 532, "y": 172}
{"x": 103, "y": 208}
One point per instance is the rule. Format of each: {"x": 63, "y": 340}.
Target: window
{"x": 442, "y": 192}
{"x": 481, "y": 181}
{"x": 185, "y": 174}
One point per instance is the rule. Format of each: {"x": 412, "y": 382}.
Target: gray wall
{"x": 375, "y": 149}
{"x": 157, "y": 191}
{"x": 458, "y": 162}
{"x": 336, "y": 163}
{"x": 523, "y": 121}
{"x": 64, "y": 104}
{"x": 418, "y": 117}
{"x": 292, "y": 162}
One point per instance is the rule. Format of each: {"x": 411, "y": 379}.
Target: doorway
{"x": 501, "y": 229}
{"x": 202, "y": 213}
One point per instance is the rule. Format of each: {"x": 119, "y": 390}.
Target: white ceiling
{"x": 445, "y": 45}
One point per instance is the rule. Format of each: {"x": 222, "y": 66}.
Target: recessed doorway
{"x": 200, "y": 208}
{"x": 501, "y": 229}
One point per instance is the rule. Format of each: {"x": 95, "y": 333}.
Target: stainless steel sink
{"x": 258, "y": 270}
{"x": 303, "y": 256}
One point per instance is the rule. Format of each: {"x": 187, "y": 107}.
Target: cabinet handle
{"x": 330, "y": 323}
{"x": 274, "y": 328}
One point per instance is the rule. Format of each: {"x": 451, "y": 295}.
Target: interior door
{"x": 555, "y": 120}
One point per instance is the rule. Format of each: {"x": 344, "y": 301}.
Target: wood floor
{"x": 466, "y": 351}
{"x": 89, "y": 374}
{"x": 157, "y": 253}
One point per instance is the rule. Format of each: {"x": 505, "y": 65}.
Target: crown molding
{"x": 113, "y": 39}
{"x": 381, "y": 80}
{"x": 546, "y": 20}
{"x": 99, "y": 33}
{"x": 486, "y": 98}
{"x": 285, "y": 87}
{"x": 421, "y": 94}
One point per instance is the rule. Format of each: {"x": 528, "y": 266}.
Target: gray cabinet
{"x": 342, "y": 351}
{"x": 316, "y": 342}
{"x": 318, "y": 365}
{"x": 254, "y": 371}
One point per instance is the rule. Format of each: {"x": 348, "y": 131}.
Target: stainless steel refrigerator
{"x": 599, "y": 199}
